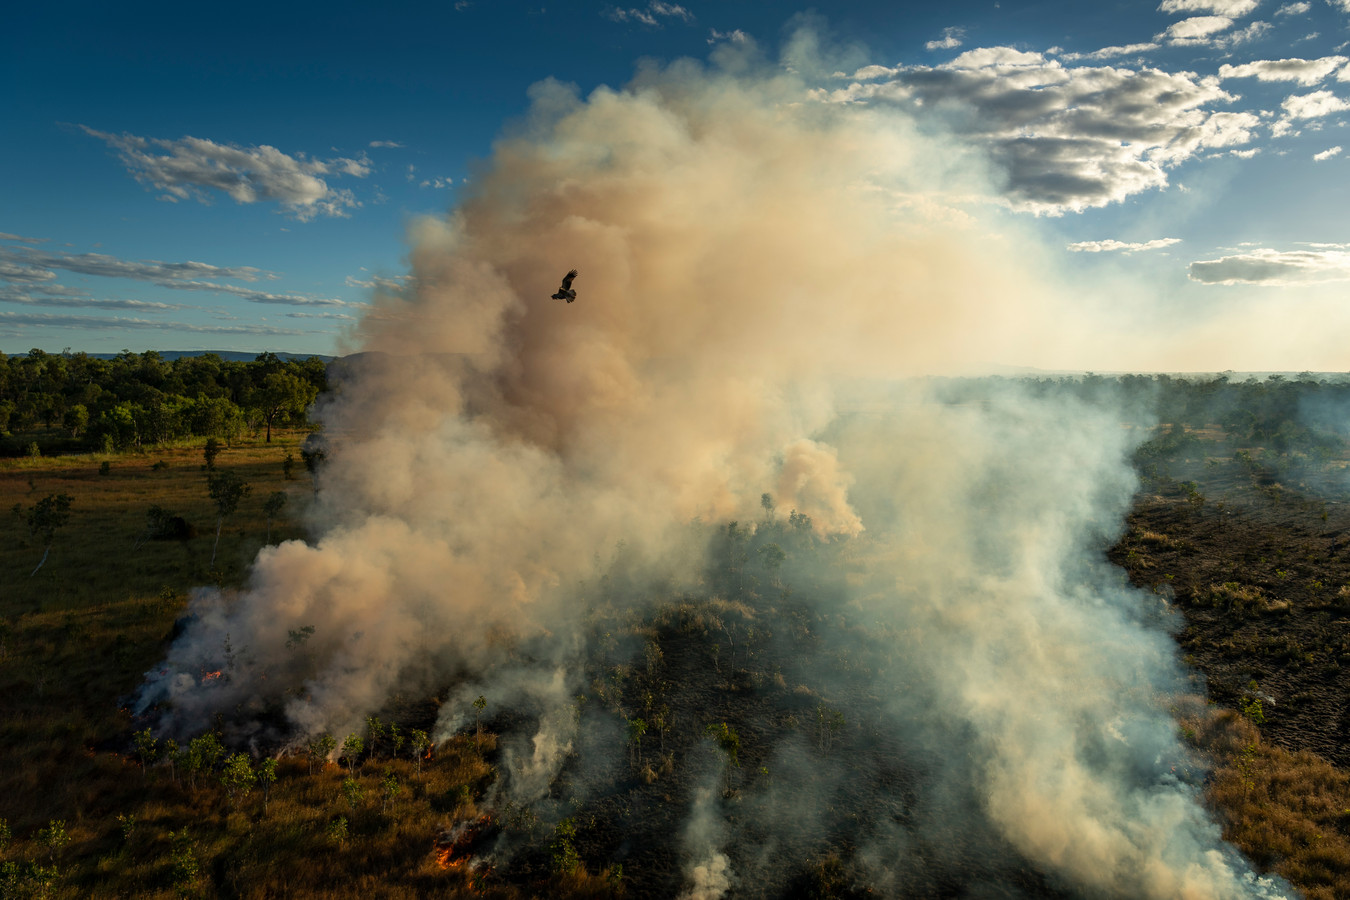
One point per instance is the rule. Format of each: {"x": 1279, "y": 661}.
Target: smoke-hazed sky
{"x": 497, "y": 446}
{"x": 176, "y": 180}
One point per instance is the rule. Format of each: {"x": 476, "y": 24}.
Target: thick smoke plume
{"x": 744, "y": 256}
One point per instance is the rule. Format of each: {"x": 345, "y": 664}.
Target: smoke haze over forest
{"x": 741, "y": 254}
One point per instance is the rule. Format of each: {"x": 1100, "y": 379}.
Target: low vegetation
{"x": 1234, "y": 529}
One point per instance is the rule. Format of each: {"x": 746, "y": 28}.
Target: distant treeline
{"x": 1278, "y": 411}
{"x": 73, "y": 402}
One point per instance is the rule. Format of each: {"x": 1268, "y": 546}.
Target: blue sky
{"x": 240, "y": 177}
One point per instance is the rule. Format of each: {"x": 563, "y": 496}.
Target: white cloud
{"x": 1293, "y": 9}
{"x": 735, "y": 37}
{"x": 951, "y": 39}
{"x": 1197, "y": 29}
{"x": 1244, "y": 154}
{"x": 1231, "y": 8}
{"x": 1066, "y": 137}
{"x": 1304, "y": 71}
{"x": 16, "y": 237}
{"x": 1327, "y": 154}
{"x": 190, "y": 167}
{"x": 1113, "y": 246}
{"x": 1314, "y": 105}
{"x": 388, "y": 144}
{"x": 649, "y": 15}
{"x": 26, "y": 265}
{"x": 1325, "y": 263}
{"x": 1342, "y": 5}
{"x": 1111, "y": 52}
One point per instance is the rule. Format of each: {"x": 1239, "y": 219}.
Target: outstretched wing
{"x": 567, "y": 280}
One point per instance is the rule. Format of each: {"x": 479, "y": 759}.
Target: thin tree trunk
{"x": 43, "y": 560}
{"x": 219, "y": 522}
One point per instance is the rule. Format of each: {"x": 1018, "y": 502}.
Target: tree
{"x": 389, "y": 789}
{"x": 147, "y": 748}
{"x": 267, "y": 776}
{"x": 238, "y": 777}
{"x": 76, "y": 419}
{"x": 320, "y": 748}
{"x": 227, "y": 489}
{"x": 353, "y": 792}
{"x": 419, "y": 745}
{"x": 210, "y": 451}
{"x": 351, "y": 750}
{"x": 42, "y": 519}
{"x": 478, "y": 706}
{"x": 282, "y": 394}
{"x": 275, "y": 501}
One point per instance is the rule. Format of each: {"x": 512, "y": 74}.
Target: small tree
{"x": 267, "y": 776}
{"x": 374, "y": 728}
{"x": 183, "y": 863}
{"x": 389, "y": 789}
{"x": 210, "y": 451}
{"x": 636, "y": 729}
{"x": 353, "y": 792}
{"x": 275, "y": 501}
{"x": 478, "y": 706}
{"x": 227, "y": 489}
{"x": 320, "y": 748}
{"x": 288, "y": 466}
{"x": 351, "y": 751}
{"x": 42, "y": 519}
{"x": 238, "y": 777}
{"x": 729, "y": 742}
{"x": 53, "y": 836}
{"x": 147, "y": 749}
{"x": 419, "y": 744}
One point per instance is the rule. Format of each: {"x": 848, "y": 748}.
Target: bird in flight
{"x": 565, "y": 292}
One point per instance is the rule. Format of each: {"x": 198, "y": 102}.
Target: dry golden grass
{"x": 1289, "y": 812}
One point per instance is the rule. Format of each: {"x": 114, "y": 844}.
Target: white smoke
{"x": 740, "y": 251}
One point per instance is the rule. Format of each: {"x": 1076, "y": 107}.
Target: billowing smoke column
{"x": 742, "y": 254}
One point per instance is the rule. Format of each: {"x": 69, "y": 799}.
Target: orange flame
{"x": 454, "y": 848}
{"x": 208, "y": 676}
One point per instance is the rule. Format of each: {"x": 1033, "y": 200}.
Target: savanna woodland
{"x": 134, "y": 480}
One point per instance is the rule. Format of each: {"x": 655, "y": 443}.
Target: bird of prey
{"x": 565, "y": 292}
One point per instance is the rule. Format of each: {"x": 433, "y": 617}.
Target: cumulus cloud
{"x": 1314, "y": 105}
{"x": 1113, "y": 246}
{"x": 385, "y": 144}
{"x": 1197, "y": 29}
{"x": 1306, "y": 72}
{"x": 1293, "y": 9}
{"x": 1327, "y": 154}
{"x": 1230, "y": 8}
{"x": 190, "y": 168}
{"x": 1065, "y": 137}
{"x": 1319, "y": 265}
{"x": 651, "y": 14}
{"x": 4, "y": 236}
{"x": 951, "y": 38}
